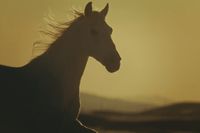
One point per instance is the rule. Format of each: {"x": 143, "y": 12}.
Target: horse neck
{"x": 64, "y": 59}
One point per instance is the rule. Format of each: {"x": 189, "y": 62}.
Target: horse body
{"x": 47, "y": 85}
{"x": 43, "y": 95}
{"x": 10, "y": 98}
{"x": 10, "y": 81}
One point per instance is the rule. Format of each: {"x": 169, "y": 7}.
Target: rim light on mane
{"x": 43, "y": 95}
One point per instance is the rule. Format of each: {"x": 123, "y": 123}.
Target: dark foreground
{"x": 179, "y": 118}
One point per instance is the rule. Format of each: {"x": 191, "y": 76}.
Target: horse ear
{"x": 105, "y": 10}
{"x": 88, "y": 9}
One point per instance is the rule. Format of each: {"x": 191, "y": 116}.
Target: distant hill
{"x": 174, "y": 118}
{"x": 92, "y": 103}
{"x": 176, "y": 110}
{"x": 152, "y": 99}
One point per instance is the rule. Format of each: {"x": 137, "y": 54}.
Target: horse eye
{"x": 94, "y": 32}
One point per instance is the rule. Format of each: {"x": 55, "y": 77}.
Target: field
{"x": 176, "y": 118}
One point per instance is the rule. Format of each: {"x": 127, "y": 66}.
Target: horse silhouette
{"x": 43, "y": 95}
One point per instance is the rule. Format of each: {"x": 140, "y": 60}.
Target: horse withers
{"x": 43, "y": 95}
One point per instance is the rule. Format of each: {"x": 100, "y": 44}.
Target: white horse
{"x": 43, "y": 96}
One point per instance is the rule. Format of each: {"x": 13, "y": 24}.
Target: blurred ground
{"x": 175, "y": 118}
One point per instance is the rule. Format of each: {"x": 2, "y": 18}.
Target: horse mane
{"x": 60, "y": 27}
{"x": 55, "y": 30}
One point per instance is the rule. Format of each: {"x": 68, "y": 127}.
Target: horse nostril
{"x": 120, "y": 58}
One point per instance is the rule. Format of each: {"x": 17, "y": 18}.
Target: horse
{"x": 43, "y": 95}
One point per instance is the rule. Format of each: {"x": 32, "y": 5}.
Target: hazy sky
{"x": 159, "y": 41}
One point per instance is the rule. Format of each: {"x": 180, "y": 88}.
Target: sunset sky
{"x": 159, "y": 42}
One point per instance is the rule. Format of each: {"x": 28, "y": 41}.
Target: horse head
{"x": 97, "y": 38}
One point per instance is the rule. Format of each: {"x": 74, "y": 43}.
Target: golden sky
{"x": 159, "y": 41}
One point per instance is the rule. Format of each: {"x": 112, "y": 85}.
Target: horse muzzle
{"x": 113, "y": 67}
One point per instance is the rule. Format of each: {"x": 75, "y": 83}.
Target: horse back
{"x": 11, "y": 85}
{"x": 9, "y": 76}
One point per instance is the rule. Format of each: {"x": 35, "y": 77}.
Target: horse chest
{"x": 56, "y": 93}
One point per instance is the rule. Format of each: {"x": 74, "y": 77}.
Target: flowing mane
{"x": 60, "y": 27}
{"x": 43, "y": 95}
{"x": 55, "y": 30}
